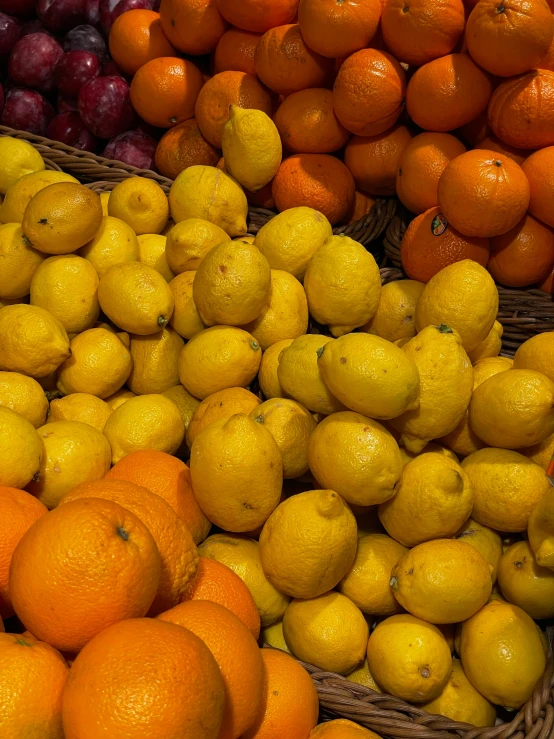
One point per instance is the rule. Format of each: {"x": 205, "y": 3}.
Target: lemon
{"x": 328, "y": 631}
{"x": 251, "y": 147}
{"x": 217, "y": 358}
{"x": 104, "y": 199}
{"x": 487, "y": 542}
{"x": 185, "y": 319}
{"x": 308, "y": 544}
{"x": 394, "y": 318}
{"x": 23, "y": 395}
{"x": 22, "y": 190}
{"x": 141, "y": 203}
{"x": 82, "y": 407}
{"x": 342, "y": 728}
{"x": 33, "y": 341}
{"x": 355, "y": 456}
{"x": 136, "y": 298}
{"x": 267, "y": 376}
{"x": 409, "y": 658}
{"x": 61, "y": 218}
{"x": 114, "y": 243}
{"x": 290, "y": 239}
{"x": 502, "y": 654}
{"x": 184, "y": 401}
{"x": 541, "y": 531}
{"x": 362, "y": 676}
{"x": 18, "y": 159}
{"x": 189, "y": 241}
{"x": 273, "y": 635}
{"x": 431, "y": 447}
{"x": 537, "y": 353}
{"x": 432, "y": 500}
{"x": 145, "y": 422}
{"x": 463, "y": 296}
{"x": 541, "y": 453}
{"x": 20, "y": 449}
{"x": 231, "y": 285}
{"x": 220, "y": 405}
{"x": 525, "y": 583}
{"x": 119, "y": 397}
{"x": 490, "y": 346}
{"x": 19, "y": 262}
{"x": 342, "y": 284}
{"x": 208, "y": 193}
{"x": 290, "y": 424}
{"x": 152, "y": 253}
{"x": 155, "y": 362}
{"x": 460, "y": 701}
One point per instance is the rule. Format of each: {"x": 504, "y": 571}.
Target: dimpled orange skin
{"x": 373, "y": 160}
{"x": 337, "y": 28}
{"x": 136, "y": 39}
{"x": 539, "y": 170}
{"x": 81, "y": 568}
{"x": 524, "y": 255}
{"x": 144, "y": 678}
{"x": 258, "y": 15}
{"x": 184, "y": 146}
{"x": 235, "y": 51}
{"x": 493, "y": 144}
{"x": 193, "y": 26}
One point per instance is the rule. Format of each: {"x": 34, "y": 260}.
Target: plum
{"x": 33, "y": 61}
{"x": 27, "y": 110}
{"x": 110, "y": 69}
{"x": 92, "y": 12}
{"x": 70, "y": 129}
{"x": 74, "y": 69}
{"x": 132, "y": 147}
{"x": 61, "y": 15}
{"x": 34, "y": 26}
{"x": 17, "y": 7}
{"x": 86, "y": 38}
{"x": 64, "y": 104}
{"x": 112, "y": 9}
{"x": 10, "y": 30}
{"x": 105, "y": 106}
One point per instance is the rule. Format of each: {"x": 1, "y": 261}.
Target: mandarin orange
{"x": 307, "y": 123}
{"x": 192, "y": 26}
{"x": 524, "y": 255}
{"x": 539, "y": 170}
{"x": 373, "y": 160}
{"x": 258, "y": 15}
{"x": 136, "y": 37}
{"x": 235, "y": 51}
{"x": 338, "y": 28}
{"x": 493, "y": 144}
{"x": 181, "y": 147}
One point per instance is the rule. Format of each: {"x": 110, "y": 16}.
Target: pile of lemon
{"x": 136, "y": 321}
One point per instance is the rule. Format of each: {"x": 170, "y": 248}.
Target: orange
{"x": 362, "y": 205}
{"x": 262, "y": 198}
{"x": 369, "y": 92}
{"x": 192, "y": 26}
{"x": 222, "y": 91}
{"x": 136, "y": 37}
{"x": 32, "y": 679}
{"x": 81, "y": 568}
{"x": 316, "y": 181}
{"x": 169, "y": 478}
{"x": 476, "y": 130}
{"x": 144, "y": 678}
{"x": 217, "y": 583}
{"x": 290, "y": 702}
{"x": 447, "y": 93}
{"x": 181, "y": 147}
{"x": 164, "y": 91}
{"x": 18, "y": 512}
{"x": 307, "y": 123}
{"x": 338, "y": 28}
{"x": 420, "y": 167}
{"x": 521, "y": 110}
{"x": 524, "y": 255}
{"x": 373, "y": 160}
{"x": 223, "y": 404}
{"x": 258, "y": 15}
{"x": 539, "y": 170}
{"x": 547, "y": 285}
{"x": 235, "y": 51}
{"x": 342, "y": 728}
{"x": 483, "y": 194}
{"x": 237, "y": 654}
{"x": 509, "y": 37}
{"x": 419, "y": 31}
{"x": 431, "y": 243}
{"x": 493, "y": 144}
{"x": 547, "y": 62}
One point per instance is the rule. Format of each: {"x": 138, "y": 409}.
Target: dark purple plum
{"x": 64, "y": 104}
{"x": 86, "y": 38}
{"x": 92, "y": 12}
{"x": 10, "y": 30}
{"x": 33, "y": 61}
{"x": 74, "y": 69}
{"x": 70, "y": 129}
{"x": 132, "y": 147}
{"x": 61, "y": 15}
{"x": 105, "y": 106}
{"x": 112, "y": 9}
{"x": 34, "y": 26}
{"x": 17, "y": 7}
{"x": 27, "y": 110}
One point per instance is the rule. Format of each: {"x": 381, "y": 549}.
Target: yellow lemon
{"x": 141, "y": 203}
{"x": 20, "y": 449}
{"x": 251, "y": 147}
{"x": 267, "y": 376}
{"x": 184, "y": 401}
{"x": 525, "y": 583}
{"x": 308, "y": 544}
{"x": 362, "y": 676}
{"x": 485, "y": 368}
{"x": 541, "y": 531}
{"x": 185, "y": 319}
{"x": 152, "y": 253}
{"x": 104, "y": 199}
{"x": 432, "y": 500}
{"x": 136, "y": 298}
{"x": 464, "y": 297}
{"x": 61, "y": 218}
{"x": 290, "y": 424}
{"x": 273, "y": 635}
{"x": 502, "y": 654}
{"x": 231, "y": 285}
{"x": 217, "y": 358}
{"x": 119, "y": 397}
{"x": 114, "y": 243}
{"x": 248, "y": 238}
{"x": 18, "y": 158}
{"x": 290, "y": 239}
{"x": 155, "y": 362}
{"x": 342, "y": 284}
{"x": 328, "y": 631}
{"x": 490, "y": 346}
{"x": 74, "y": 452}
{"x": 82, "y": 407}
{"x": 342, "y": 728}
{"x": 355, "y": 456}
{"x": 394, "y": 318}
{"x": 19, "y": 194}
{"x": 221, "y": 405}
{"x": 541, "y": 453}
{"x": 208, "y": 193}
{"x": 19, "y": 262}
{"x": 409, "y": 658}
{"x": 189, "y": 241}
{"x": 23, "y": 395}
{"x": 431, "y": 447}
{"x": 537, "y": 353}
{"x": 487, "y": 542}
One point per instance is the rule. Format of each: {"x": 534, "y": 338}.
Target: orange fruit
{"x": 373, "y": 160}
{"x": 222, "y": 91}
{"x": 422, "y": 30}
{"x": 81, "y": 568}
{"x": 493, "y": 144}
{"x": 235, "y": 51}
{"x": 547, "y": 285}
{"x": 18, "y": 512}
{"x": 217, "y": 583}
{"x": 476, "y": 130}
{"x": 342, "y": 728}
{"x": 307, "y": 123}
{"x": 316, "y": 181}
{"x": 420, "y": 167}
{"x": 144, "y": 677}
{"x": 258, "y": 15}
{"x": 32, "y": 680}
{"x": 181, "y": 147}
{"x": 164, "y": 91}
{"x": 509, "y": 37}
{"x": 539, "y": 170}
{"x": 521, "y": 110}
{"x": 369, "y": 92}
{"x": 431, "y": 243}
{"x": 547, "y": 62}
{"x": 136, "y": 37}
{"x": 362, "y": 205}
{"x": 262, "y": 198}
{"x": 290, "y": 708}
{"x": 336, "y": 29}
{"x": 223, "y": 404}
{"x": 483, "y": 194}
{"x": 169, "y": 478}
{"x": 192, "y": 26}
{"x": 237, "y": 654}
{"x": 447, "y": 93}
{"x": 524, "y": 255}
